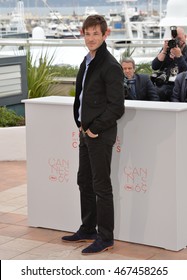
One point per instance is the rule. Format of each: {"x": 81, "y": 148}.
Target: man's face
{"x": 181, "y": 36}
{"x": 128, "y": 69}
{"x": 94, "y": 38}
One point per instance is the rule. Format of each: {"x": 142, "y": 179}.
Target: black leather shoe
{"x": 80, "y": 236}
{"x": 98, "y": 246}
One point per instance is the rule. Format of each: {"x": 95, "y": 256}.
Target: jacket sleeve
{"x": 182, "y": 63}
{"x": 151, "y": 90}
{"x": 175, "y": 97}
{"x": 156, "y": 63}
{"x": 113, "y": 78}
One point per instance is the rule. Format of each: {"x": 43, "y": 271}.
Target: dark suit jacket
{"x": 103, "y": 93}
{"x": 180, "y": 88}
{"x": 145, "y": 90}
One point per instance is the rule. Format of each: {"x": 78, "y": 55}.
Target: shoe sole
{"x": 106, "y": 249}
{"x": 77, "y": 241}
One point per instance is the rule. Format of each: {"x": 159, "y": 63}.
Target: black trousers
{"x": 96, "y": 197}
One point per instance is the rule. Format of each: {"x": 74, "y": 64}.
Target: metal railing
{"x": 78, "y": 42}
{"x": 143, "y": 47}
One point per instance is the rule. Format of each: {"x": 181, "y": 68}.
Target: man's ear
{"x": 108, "y": 31}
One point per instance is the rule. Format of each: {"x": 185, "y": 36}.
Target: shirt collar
{"x": 88, "y": 59}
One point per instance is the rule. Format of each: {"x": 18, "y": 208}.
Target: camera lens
{"x": 160, "y": 80}
{"x": 172, "y": 43}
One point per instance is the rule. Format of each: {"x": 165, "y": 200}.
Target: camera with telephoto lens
{"x": 173, "y": 42}
{"x": 159, "y": 78}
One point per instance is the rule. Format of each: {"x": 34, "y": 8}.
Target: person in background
{"x": 180, "y": 88}
{"x": 170, "y": 61}
{"x": 137, "y": 86}
{"x": 99, "y": 103}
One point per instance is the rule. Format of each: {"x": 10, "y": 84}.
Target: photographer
{"x": 171, "y": 60}
{"x": 137, "y": 86}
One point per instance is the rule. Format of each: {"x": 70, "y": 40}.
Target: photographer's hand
{"x": 161, "y": 56}
{"x": 165, "y": 46}
{"x": 176, "y": 52}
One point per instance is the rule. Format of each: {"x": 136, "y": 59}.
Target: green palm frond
{"x": 40, "y": 77}
{"x": 144, "y": 68}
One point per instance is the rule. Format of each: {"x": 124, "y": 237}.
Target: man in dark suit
{"x": 137, "y": 86}
{"x": 99, "y": 103}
